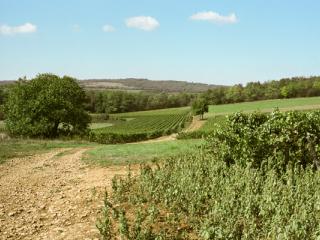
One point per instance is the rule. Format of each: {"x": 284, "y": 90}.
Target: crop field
{"x": 266, "y": 106}
{"x": 100, "y": 125}
{"x": 142, "y": 127}
{"x": 158, "y": 112}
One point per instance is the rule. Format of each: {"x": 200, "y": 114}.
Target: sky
{"x": 211, "y": 41}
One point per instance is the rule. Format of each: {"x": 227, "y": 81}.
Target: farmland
{"x": 216, "y": 116}
{"x": 266, "y": 106}
{"x": 159, "y": 120}
{"x": 194, "y": 185}
{"x": 141, "y": 126}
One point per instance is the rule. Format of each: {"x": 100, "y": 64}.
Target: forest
{"x": 253, "y": 91}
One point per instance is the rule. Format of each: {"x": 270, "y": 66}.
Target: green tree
{"x": 200, "y": 106}
{"x": 46, "y": 106}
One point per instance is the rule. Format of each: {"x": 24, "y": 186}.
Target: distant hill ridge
{"x": 146, "y": 85}
{"x": 140, "y": 84}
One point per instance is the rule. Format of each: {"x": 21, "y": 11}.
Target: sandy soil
{"x": 52, "y": 196}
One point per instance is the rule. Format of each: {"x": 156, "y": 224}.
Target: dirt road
{"x": 52, "y": 196}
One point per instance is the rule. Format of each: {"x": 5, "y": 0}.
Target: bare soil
{"x": 52, "y": 196}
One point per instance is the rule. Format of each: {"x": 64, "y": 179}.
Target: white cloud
{"x": 25, "y": 28}
{"x": 108, "y": 28}
{"x": 214, "y": 17}
{"x": 145, "y": 23}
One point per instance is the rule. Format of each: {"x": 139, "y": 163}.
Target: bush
{"x": 198, "y": 197}
{"x": 269, "y": 141}
{"x": 240, "y": 186}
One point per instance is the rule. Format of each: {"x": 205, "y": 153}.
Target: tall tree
{"x": 46, "y": 106}
{"x": 200, "y": 106}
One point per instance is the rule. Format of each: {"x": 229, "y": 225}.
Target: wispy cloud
{"x": 108, "y": 28}
{"x": 214, "y": 17}
{"x": 11, "y": 30}
{"x": 145, "y": 23}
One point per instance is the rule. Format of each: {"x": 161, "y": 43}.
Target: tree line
{"x": 253, "y": 91}
{"x": 121, "y": 101}
{"x": 124, "y": 101}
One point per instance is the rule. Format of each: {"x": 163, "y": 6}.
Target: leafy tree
{"x": 200, "y": 106}
{"x": 46, "y": 106}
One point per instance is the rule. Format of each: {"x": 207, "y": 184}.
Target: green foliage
{"x": 203, "y": 196}
{"x": 46, "y": 106}
{"x": 269, "y": 140}
{"x": 140, "y": 128}
{"x": 121, "y": 101}
{"x": 1, "y": 112}
{"x": 285, "y": 88}
{"x": 207, "y": 128}
{"x": 200, "y": 106}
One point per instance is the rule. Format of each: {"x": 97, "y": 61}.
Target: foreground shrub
{"x": 196, "y": 197}
{"x": 269, "y": 141}
{"x": 214, "y": 195}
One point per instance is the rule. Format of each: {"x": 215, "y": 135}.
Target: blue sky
{"x": 210, "y": 41}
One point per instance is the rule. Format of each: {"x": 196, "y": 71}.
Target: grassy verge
{"x": 138, "y": 153}
{"x": 22, "y": 147}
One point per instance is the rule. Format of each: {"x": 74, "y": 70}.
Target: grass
{"x": 2, "y": 126}
{"x": 165, "y": 111}
{"x": 24, "y": 147}
{"x": 266, "y": 106}
{"x": 100, "y": 125}
{"x": 138, "y": 153}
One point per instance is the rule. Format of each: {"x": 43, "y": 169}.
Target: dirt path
{"x": 52, "y": 196}
{"x": 195, "y": 125}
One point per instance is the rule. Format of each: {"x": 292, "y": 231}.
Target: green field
{"x": 138, "y": 127}
{"x": 166, "y": 111}
{"x": 139, "y": 153}
{"x": 100, "y": 125}
{"x": 266, "y": 106}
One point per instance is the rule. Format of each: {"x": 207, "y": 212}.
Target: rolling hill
{"x": 139, "y": 84}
